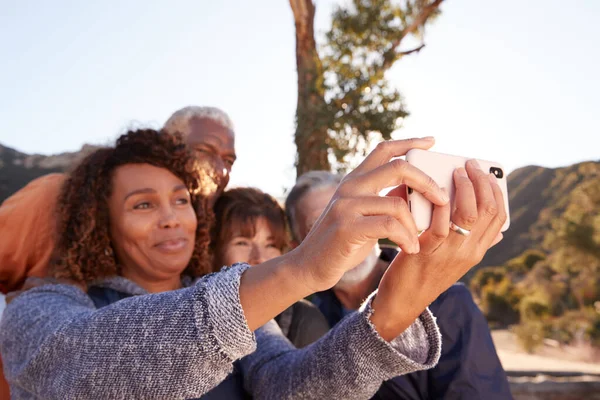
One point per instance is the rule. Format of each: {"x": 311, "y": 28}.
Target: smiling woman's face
{"x": 152, "y": 222}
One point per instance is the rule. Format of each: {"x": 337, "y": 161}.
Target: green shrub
{"x": 499, "y": 302}
{"x": 530, "y": 334}
{"x": 533, "y": 307}
{"x": 526, "y": 261}
{"x": 593, "y": 332}
{"x": 486, "y": 276}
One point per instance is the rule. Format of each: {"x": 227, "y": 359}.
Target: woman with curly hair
{"x": 163, "y": 329}
{"x": 251, "y": 227}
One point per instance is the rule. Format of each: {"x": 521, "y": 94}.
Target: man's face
{"x": 310, "y": 207}
{"x": 214, "y": 146}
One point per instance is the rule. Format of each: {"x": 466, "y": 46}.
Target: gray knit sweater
{"x": 178, "y": 345}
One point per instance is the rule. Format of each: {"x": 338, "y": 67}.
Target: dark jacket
{"x": 302, "y": 323}
{"x": 469, "y": 367}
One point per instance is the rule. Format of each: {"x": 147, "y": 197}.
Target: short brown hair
{"x": 83, "y": 252}
{"x": 236, "y": 212}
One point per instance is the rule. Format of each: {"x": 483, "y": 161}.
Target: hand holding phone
{"x": 441, "y": 168}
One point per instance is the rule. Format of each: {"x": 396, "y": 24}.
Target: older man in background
{"x": 469, "y": 367}
{"x": 209, "y": 132}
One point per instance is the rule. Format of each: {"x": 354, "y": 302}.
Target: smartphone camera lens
{"x": 498, "y": 173}
{"x": 409, "y": 189}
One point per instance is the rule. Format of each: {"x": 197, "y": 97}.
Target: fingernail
{"x": 462, "y": 172}
{"x": 493, "y": 179}
{"x": 428, "y": 138}
{"x": 416, "y": 247}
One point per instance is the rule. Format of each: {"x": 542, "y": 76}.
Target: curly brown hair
{"x": 236, "y": 212}
{"x": 83, "y": 252}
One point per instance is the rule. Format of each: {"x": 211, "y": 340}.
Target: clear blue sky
{"x": 513, "y": 81}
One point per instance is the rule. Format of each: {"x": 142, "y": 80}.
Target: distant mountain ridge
{"x": 17, "y": 169}
{"x": 537, "y": 196}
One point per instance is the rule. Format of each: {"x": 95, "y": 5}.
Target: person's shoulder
{"x": 305, "y": 307}
{"x": 49, "y": 179}
{"x": 47, "y": 185}
{"x": 42, "y": 190}
{"x": 50, "y": 182}
{"x": 458, "y": 291}
{"x": 306, "y": 312}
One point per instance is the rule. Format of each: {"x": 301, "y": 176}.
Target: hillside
{"x": 17, "y": 169}
{"x": 537, "y": 197}
{"x": 546, "y": 277}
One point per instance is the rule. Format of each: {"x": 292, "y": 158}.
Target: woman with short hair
{"x": 251, "y": 227}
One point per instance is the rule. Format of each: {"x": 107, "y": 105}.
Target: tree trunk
{"x": 312, "y": 115}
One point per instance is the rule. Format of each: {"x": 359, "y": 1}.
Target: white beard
{"x": 361, "y": 271}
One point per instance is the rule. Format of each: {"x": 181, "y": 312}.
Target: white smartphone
{"x": 441, "y": 168}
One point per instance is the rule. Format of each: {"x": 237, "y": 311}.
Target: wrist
{"x": 396, "y": 307}
{"x": 294, "y": 276}
{"x": 391, "y": 322}
{"x": 294, "y": 268}
{"x": 269, "y": 288}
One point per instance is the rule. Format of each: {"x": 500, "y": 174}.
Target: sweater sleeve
{"x": 350, "y": 362}
{"x": 172, "y": 345}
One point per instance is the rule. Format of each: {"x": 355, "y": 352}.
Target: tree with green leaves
{"x": 344, "y": 100}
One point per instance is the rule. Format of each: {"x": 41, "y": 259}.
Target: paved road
{"x": 515, "y": 359}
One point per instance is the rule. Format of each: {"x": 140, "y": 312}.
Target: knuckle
{"x": 430, "y": 183}
{"x": 467, "y": 219}
{"x": 400, "y": 165}
{"x": 502, "y": 216}
{"x": 383, "y": 147}
{"x": 490, "y": 209}
{"x": 439, "y": 235}
{"x": 389, "y": 223}
{"x": 398, "y": 203}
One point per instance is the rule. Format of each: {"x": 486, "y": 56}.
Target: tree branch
{"x": 415, "y": 50}
{"x": 419, "y": 21}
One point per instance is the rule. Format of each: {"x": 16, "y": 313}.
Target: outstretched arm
{"x": 170, "y": 345}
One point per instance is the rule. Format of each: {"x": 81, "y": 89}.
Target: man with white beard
{"x": 469, "y": 367}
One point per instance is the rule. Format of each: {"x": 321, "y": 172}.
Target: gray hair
{"x": 305, "y": 184}
{"x": 180, "y": 120}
